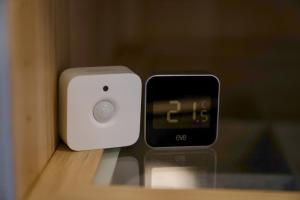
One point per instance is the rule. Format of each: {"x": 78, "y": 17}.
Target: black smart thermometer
{"x": 181, "y": 110}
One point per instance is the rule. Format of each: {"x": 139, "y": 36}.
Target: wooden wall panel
{"x": 37, "y": 53}
{"x": 252, "y": 46}
{"x": 92, "y": 32}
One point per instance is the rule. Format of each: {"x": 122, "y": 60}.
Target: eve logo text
{"x": 181, "y": 137}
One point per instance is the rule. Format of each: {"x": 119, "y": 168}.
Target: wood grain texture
{"x": 93, "y": 193}
{"x": 64, "y": 172}
{"x": 35, "y": 62}
{"x": 69, "y": 175}
{"x": 236, "y": 40}
{"x": 92, "y": 32}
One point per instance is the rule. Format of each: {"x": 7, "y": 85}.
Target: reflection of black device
{"x": 180, "y": 169}
{"x": 181, "y": 110}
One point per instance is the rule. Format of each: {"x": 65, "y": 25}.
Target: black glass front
{"x": 181, "y": 110}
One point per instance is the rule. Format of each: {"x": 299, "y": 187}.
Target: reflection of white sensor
{"x": 99, "y": 107}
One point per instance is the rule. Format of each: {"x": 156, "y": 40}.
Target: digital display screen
{"x": 181, "y": 110}
{"x": 182, "y": 113}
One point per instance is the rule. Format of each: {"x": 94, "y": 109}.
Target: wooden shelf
{"x": 69, "y": 175}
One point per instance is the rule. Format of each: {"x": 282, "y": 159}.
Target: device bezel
{"x": 162, "y": 144}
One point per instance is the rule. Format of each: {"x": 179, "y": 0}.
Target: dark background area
{"x": 252, "y": 46}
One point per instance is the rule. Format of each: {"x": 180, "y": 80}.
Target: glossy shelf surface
{"x": 247, "y": 155}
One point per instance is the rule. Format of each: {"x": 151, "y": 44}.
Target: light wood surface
{"x": 66, "y": 170}
{"x": 36, "y": 58}
{"x": 69, "y": 175}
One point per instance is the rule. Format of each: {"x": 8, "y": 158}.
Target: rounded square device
{"x": 99, "y": 107}
{"x": 181, "y": 110}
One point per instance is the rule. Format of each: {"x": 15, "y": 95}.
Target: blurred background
{"x": 252, "y": 46}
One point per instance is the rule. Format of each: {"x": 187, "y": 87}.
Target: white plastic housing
{"x": 92, "y": 118}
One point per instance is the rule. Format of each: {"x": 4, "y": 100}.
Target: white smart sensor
{"x": 100, "y": 107}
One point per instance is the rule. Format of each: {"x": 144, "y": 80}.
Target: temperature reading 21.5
{"x": 198, "y": 111}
